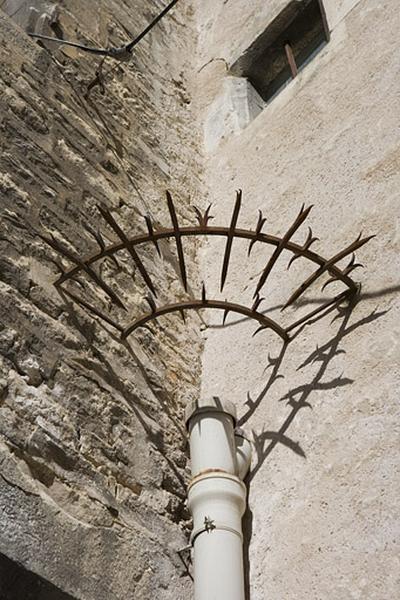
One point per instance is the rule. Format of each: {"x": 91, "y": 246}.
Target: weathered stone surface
{"x": 93, "y": 463}
{"x": 324, "y": 490}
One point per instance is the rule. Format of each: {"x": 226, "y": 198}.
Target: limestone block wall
{"x": 324, "y": 485}
{"x": 92, "y": 467}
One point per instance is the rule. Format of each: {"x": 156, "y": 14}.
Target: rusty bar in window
{"x": 291, "y": 59}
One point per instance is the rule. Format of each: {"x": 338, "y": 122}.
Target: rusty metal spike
{"x": 92, "y": 309}
{"x": 207, "y": 217}
{"x": 226, "y": 313}
{"x": 360, "y": 241}
{"x": 203, "y": 294}
{"x": 352, "y": 265}
{"x": 312, "y": 241}
{"x": 96, "y": 235}
{"x": 325, "y": 267}
{"x": 151, "y": 233}
{"x": 291, "y": 261}
{"x": 104, "y": 286}
{"x": 150, "y": 300}
{"x": 350, "y": 268}
{"x": 261, "y": 221}
{"x": 352, "y": 260}
{"x": 91, "y": 272}
{"x": 101, "y": 283}
{"x": 309, "y": 241}
{"x": 258, "y": 330}
{"x": 257, "y": 302}
{"x": 199, "y": 215}
{"x": 309, "y": 238}
{"x": 203, "y": 218}
{"x": 53, "y": 243}
{"x": 231, "y": 235}
{"x": 137, "y": 260}
{"x": 331, "y": 280}
{"x": 99, "y": 239}
{"x": 259, "y": 226}
{"x": 178, "y": 240}
{"x": 251, "y": 244}
{"x": 301, "y": 217}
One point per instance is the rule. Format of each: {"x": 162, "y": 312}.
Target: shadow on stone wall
{"x": 16, "y": 583}
{"x": 299, "y": 397}
{"x": 149, "y": 416}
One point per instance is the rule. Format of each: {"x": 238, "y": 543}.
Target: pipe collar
{"x": 210, "y": 405}
{"x": 217, "y": 501}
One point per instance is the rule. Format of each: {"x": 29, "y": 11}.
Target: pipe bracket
{"x": 216, "y": 526}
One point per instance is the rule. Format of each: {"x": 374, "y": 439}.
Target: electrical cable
{"x": 120, "y": 53}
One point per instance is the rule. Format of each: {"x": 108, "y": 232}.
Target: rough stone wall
{"x": 324, "y": 487}
{"x": 92, "y": 467}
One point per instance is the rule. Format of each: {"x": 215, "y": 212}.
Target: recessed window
{"x": 284, "y": 48}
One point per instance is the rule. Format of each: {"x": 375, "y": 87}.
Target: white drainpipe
{"x": 217, "y": 499}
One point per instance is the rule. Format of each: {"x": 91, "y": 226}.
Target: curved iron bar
{"x": 247, "y": 234}
{"x": 265, "y": 322}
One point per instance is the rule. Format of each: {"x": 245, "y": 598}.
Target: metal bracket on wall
{"x": 185, "y": 557}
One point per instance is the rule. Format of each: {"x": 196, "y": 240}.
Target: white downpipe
{"x": 243, "y": 453}
{"x": 217, "y": 499}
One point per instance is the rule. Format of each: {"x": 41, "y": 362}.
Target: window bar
{"x": 291, "y": 59}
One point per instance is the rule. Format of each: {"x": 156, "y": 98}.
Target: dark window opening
{"x": 284, "y": 48}
{"x": 16, "y": 583}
